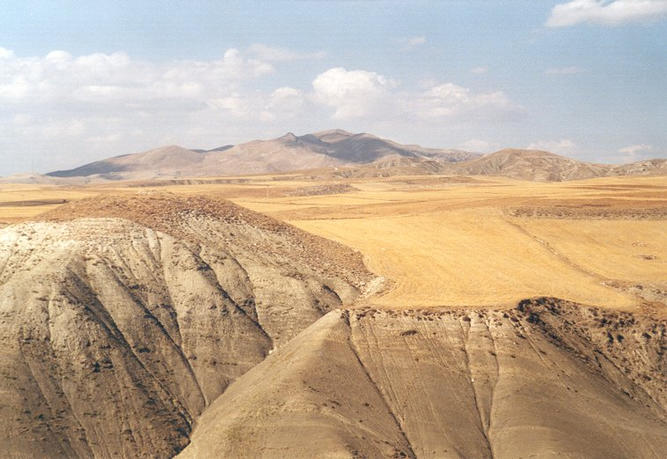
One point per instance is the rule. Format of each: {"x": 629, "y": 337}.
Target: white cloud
{"x": 448, "y": 100}
{"x": 352, "y": 93}
{"x": 564, "y": 71}
{"x": 285, "y": 102}
{"x": 48, "y": 129}
{"x": 286, "y": 97}
{"x": 634, "y": 149}
{"x": 233, "y": 105}
{"x": 633, "y": 153}
{"x": 133, "y": 94}
{"x": 562, "y": 147}
{"x": 360, "y": 93}
{"x": 606, "y": 12}
{"x": 5, "y": 53}
{"x": 58, "y": 57}
{"x": 64, "y": 128}
{"x": 278, "y": 54}
{"x": 21, "y": 119}
{"x": 61, "y": 80}
{"x": 479, "y": 70}
{"x": 477, "y": 145}
{"x": 412, "y": 42}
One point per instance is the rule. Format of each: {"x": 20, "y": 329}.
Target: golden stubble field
{"x": 447, "y": 241}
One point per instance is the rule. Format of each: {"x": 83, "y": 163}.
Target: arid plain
{"x": 169, "y": 320}
{"x": 451, "y": 240}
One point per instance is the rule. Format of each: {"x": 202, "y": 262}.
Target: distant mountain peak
{"x": 289, "y": 152}
{"x": 340, "y": 148}
{"x": 333, "y": 135}
{"x": 334, "y": 131}
{"x": 289, "y": 137}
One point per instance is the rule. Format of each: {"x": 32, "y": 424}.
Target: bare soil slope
{"x": 535, "y": 165}
{"x": 170, "y": 160}
{"x": 118, "y": 328}
{"x": 548, "y": 378}
{"x": 532, "y": 165}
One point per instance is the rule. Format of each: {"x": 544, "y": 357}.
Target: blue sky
{"x": 81, "y": 81}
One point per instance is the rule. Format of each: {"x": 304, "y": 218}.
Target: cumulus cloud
{"x": 606, "y": 12}
{"x": 633, "y": 153}
{"x": 233, "y": 105}
{"x": 284, "y": 102}
{"x": 478, "y": 146}
{"x": 278, "y": 54}
{"x": 449, "y": 100}
{"x": 634, "y": 149}
{"x": 115, "y": 79}
{"x": 562, "y": 147}
{"x": 412, "y": 42}
{"x": 361, "y": 93}
{"x": 564, "y": 70}
{"x": 51, "y": 129}
{"x": 5, "y": 53}
{"x": 352, "y": 93}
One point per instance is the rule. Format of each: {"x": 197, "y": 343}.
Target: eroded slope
{"x": 279, "y": 260}
{"x": 547, "y": 378}
{"x": 117, "y": 331}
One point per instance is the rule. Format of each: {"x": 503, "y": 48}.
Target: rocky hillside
{"x": 117, "y": 329}
{"x": 547, "y": 378}
{"x": 532, "y": 165}
{"x": 548, "y": 167}
{"x": 646, "y": 167}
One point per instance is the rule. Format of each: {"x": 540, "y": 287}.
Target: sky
{"x": 82, "y": 81}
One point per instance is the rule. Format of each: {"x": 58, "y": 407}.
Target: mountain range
{"x": 290, "y": 152}
{"x": 345, "y": 154}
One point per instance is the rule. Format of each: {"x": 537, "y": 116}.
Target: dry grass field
{"x": 452, "y": 241}
{"x": 459, "y": 244}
